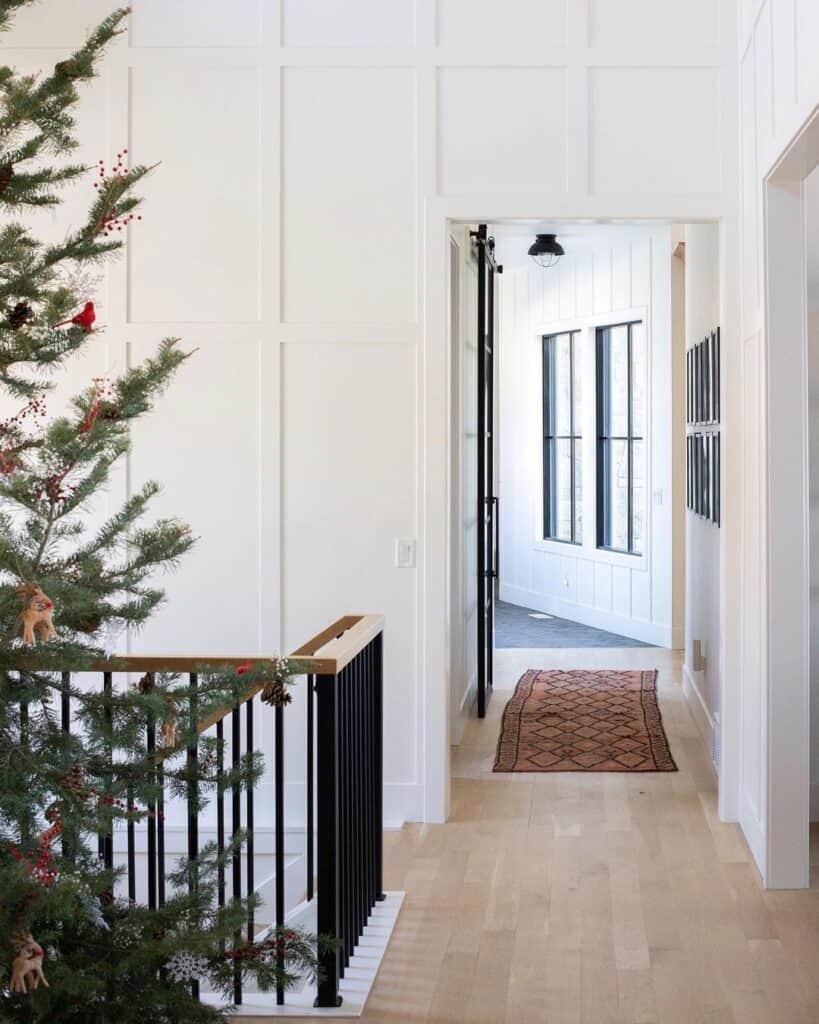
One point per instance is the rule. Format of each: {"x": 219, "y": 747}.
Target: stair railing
{"x": 344, "y": 786}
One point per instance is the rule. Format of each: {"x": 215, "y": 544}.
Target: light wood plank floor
{"x": 591, "y": 899}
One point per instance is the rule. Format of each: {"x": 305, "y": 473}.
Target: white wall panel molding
{"x": 527, "y": 148}
{"x": 696, "y": 22}
{"x": 195, "y": 23}
{"x": 205, "y": 201}
{"x": 361, "y": 227}
{"x": 352, "y": 23}
{"x": 683, "y": 154}
{"x": 502, "y": 24}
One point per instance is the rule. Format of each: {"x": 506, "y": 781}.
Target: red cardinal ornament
{"x": 85, "y": 319}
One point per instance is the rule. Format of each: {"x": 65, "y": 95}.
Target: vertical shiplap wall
{"x": 300, "y": 142}
{"x": 779, "y": 89}
{"x": 602, "y": 282}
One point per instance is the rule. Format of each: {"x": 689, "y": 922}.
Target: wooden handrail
{"x": 326, "y": 654}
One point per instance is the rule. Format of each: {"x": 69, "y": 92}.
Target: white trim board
{"x": 699, "y": 712}
{"x": 355, "y": 987}
{"x": 648, "y": 632}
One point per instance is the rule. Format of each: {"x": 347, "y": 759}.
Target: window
{"x": 621, "y": 419}
{"x": 562, "y": 448}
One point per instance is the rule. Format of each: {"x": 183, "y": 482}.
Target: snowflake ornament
{"x": 186, "y": 967}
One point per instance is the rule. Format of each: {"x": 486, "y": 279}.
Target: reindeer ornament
{"x": 28, "y": 962}
{"x": 37, "y": 611}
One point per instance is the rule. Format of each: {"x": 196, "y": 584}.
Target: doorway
{"x": 792, "y": 468}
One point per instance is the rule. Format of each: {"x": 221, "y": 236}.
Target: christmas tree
{"x": 70, "y": 948}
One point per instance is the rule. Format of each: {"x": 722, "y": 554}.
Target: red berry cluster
{"x": 35, "y": 409}
{"x": 55, "y": 488}
{"x": 106, "y": 800}
{"x": 43, "y": 869}
{"x": 260, "y": 950}
{"x": 113, "y": 221}
{"x": 104, "y": 393}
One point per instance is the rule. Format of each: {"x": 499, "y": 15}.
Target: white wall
{"x": 702, "y": 538}
{"x": 302, "y": 144}
{"x": 779, "y": 80}
{"x": 606, "y": 276}
{"x": 812, "y": 288}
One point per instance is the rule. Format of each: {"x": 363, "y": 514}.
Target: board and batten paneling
{"x": 358, "y": 228}
{"x": 779, "y": 90}
{"x": 195, "y": 257}
{"x": 600, "y": 280}
{"x": 301, "y": 145}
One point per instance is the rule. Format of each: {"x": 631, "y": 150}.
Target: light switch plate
{"x": 404, "y": 554}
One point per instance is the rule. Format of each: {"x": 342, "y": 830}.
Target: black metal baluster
{"x": 130, "y": 831}
{"x": 220, "y": 812}
{"x": 358, "y": 793}
{"x": 150, "y": 746}
{"x": 367, "y": 755}
{"x": 310, "y": 839}
{"x": 193, "y": 800}
{"x": 107, "y": 840}
{"x": 378, "y": 783}
{"x": 370, "y": 776}
{"x": 160, "y": 834}
{"x": 328, "y": 909}
{"x": 65, "y": 725}
{"x": 365, "y": 783}
{"x": 344, "y": 714}
{"x": 25, "y": 831}
{"x": 279, "y": 840}
{"x": 251, "y": 929}
{"x": 235, "y": 746}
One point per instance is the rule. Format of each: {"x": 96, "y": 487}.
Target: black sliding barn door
{"x": 487, "y": 501}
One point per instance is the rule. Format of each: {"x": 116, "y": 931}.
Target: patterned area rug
{"x": 584, "y": 721}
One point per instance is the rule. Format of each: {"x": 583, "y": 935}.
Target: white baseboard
{"x": 754, "y": 833}
{"x": 637, "y": 629}
{"x": 464, "y": 710}
{"x": 700, "y": 712}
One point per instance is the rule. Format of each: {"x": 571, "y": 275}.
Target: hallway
{"x": 591, "y": 899}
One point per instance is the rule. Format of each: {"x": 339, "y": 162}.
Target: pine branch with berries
{"x": 68, "y": 581}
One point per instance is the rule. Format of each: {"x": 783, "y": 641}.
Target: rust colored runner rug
{"x": 584, "y": 721}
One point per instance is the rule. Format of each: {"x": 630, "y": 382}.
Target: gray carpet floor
{"x": 524, "y": 627}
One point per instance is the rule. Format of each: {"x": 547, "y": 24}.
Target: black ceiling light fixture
{"x": 546, "y": 250}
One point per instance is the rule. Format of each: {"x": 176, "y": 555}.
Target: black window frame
{"x": 549, "y": 438}
{"x": 602, "y": 474}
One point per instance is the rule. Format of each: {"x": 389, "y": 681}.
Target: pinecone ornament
{"x": 146, "y": 683}
{"x": 18, "y": 315}
{"x": 276, "y": 694}
{"x": 74, "y": 780}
